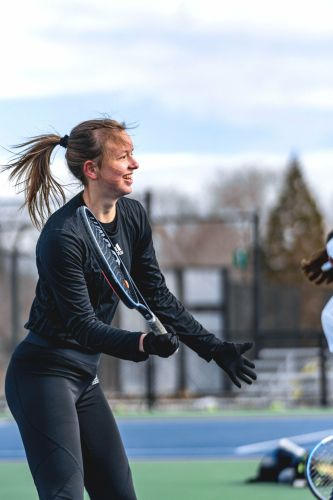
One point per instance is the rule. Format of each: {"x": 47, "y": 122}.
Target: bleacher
{"x": 290, "y": 376}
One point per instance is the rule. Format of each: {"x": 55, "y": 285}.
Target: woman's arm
{"x": 146, "y": 272}
{"x": 60, "y": 262}
{"x": 151, "y": 283}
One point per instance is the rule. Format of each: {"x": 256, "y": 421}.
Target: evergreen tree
{"x": 295, "y": 229}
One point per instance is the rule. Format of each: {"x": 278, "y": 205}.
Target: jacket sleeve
{"x": 60, "y": 262}
{"x": 171, "y": 312}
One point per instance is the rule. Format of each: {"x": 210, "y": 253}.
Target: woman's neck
{"x": 103, "y": 210}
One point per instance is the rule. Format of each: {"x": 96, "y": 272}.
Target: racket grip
{"x": 156, "y": 326}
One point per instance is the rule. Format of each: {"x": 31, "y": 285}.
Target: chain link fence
{"x": 294, "y": 367}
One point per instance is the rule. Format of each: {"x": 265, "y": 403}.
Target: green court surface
{"x": 176, "y": 480}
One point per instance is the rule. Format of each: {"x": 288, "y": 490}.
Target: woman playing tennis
{"x": 67, "y": 427}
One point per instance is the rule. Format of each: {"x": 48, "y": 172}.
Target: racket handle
{"x": 156, "y": 326}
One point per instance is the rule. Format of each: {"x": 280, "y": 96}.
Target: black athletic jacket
{"x": 73, "y": 304}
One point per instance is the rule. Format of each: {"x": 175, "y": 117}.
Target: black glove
{"x": 164, "y": 345}
{"x": 229, "y": 357}
{"x": 312, "y": 268}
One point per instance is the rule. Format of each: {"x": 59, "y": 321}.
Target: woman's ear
{"x": 90, "y": 170}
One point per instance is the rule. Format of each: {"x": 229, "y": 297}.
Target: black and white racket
{"x": 319, "y": 469}
{"x": 113, "y": 269}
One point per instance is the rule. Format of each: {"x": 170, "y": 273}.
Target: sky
{"x": 212, "y": 86}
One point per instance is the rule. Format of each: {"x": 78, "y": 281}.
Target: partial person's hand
{"x": 163, "y": 345}
{"x": 229, "y": 357}
{"x": 312, "y": 268}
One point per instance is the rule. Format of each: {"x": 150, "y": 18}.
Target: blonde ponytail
{"x": 30, "y": 169}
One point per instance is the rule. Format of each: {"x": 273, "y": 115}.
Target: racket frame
{"x": 134, "y": 300}
{"x": 308, "y": 474}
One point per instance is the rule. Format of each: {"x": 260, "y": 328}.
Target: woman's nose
{"x": 134, "y": 163}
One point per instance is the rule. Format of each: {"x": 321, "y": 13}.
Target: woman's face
{"x": 116, "y": 172}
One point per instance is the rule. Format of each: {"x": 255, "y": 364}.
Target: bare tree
{"x": 173, "y": 203}
{"x": 248, "y": 189}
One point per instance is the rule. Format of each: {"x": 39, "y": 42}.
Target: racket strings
{"x": 321, "y": 471}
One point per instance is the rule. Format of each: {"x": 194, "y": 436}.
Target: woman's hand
{"x": 229, "y": 357}
{"x": 163, "y": 345}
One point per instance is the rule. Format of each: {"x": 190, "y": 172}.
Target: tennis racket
{"x": 114, "y": 270}
{"x": 319, "y": 469}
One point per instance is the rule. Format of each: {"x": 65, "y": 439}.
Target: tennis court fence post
{"x": 323, "y": 373}
{"x": 181, "y": 355}
{"x": 15, "y": 303}
{"x": 256, "y": 282}
{"x": 226, "y": 384}
{"x": 15, "y": 256}
{"x": 150, "y": 383}
{"x": 150, "y": 366}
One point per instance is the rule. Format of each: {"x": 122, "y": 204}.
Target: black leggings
{"x": 69, "y": 433}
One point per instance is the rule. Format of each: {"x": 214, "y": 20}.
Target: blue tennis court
{"x": 198, "y": 437}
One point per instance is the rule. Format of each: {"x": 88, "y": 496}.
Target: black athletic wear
{"x": 74, "y": 304}
{"x": 164, "y": 344}
{"x": 68, "y": 431}
{"x": 67, "y": 427}
{"x": 230, "y": 357}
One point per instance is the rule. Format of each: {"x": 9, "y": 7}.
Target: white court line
{"x": 6, "y": 423}
{"x": 266, "y": 445}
